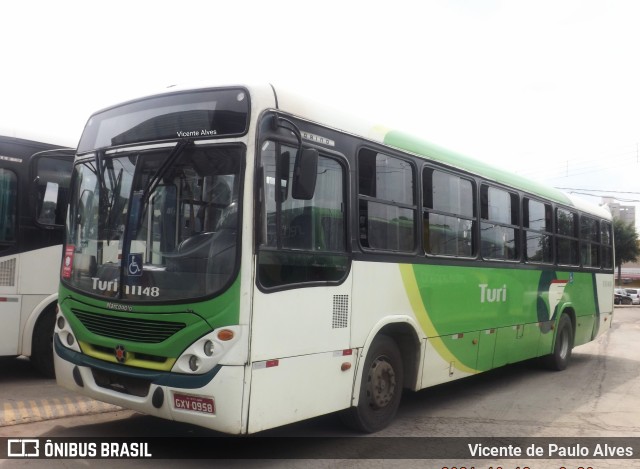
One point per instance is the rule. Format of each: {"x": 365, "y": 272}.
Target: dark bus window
{"x": 8, "y": 202}
{"x": 449, "y": 217}
{"x": 590, "y": 242}
{"x": 538, "y": 231}
{"x": 566, "y": 223}
{"x": 387, "y": 209}
{"x": 567, "y": 237}
{"x": 607, "y": 251}
{"x": 498, "y": 229}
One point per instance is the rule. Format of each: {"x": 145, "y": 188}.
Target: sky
{"x": 548, "y": 89}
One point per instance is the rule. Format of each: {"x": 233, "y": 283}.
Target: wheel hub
{"x": 381, "y": 383}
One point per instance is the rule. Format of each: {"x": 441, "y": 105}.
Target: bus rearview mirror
{"x": 305, "y": 173}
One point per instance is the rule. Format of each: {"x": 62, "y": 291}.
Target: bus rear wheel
{"x": 380, "y": 388}
{"x": 559, "y": 358}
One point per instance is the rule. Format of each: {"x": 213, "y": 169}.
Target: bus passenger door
{"x": 301, "y": 362}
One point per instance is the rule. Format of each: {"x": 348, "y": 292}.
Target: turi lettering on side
{"x": 492, "y": 295}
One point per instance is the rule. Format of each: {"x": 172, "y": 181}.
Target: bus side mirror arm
{"x": 305, "y": 171}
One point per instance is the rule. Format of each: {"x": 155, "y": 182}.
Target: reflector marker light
{"x": 265, "y": 364}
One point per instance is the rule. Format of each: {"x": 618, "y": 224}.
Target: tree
{"x": 626, "y": 244}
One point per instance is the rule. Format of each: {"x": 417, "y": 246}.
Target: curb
{"x": 37, "y": 410}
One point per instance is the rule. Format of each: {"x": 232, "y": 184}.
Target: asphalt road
{"x": 598, "y": 397}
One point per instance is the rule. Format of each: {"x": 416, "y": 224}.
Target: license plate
{"x": 204, "y": 405}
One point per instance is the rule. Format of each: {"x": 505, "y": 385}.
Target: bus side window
{"x": 567, "y": 237}
{"x": 607, "y": 251}
{"x": 387, "y": 206}
{"x": 538, "y": 229}
{"x": 449, "y": 217}
{"x": 499, "y": 225}
{"x": 589, "y": 242}
{"x": 8, "y": 203}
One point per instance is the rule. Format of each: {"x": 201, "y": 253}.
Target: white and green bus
{"x": 239, "y": 258}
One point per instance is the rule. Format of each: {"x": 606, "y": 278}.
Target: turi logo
{"x": 492, "y": 295}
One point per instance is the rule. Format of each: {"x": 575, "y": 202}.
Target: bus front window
{"x": 133, "y": 237}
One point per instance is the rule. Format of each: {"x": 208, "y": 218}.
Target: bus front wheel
{"x": 380, "y": 388}
{"x": 559, "y": 358}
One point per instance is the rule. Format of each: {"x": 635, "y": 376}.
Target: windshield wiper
{"x": 99, "y": 170}
{"x": 164, "y": 167}
{"x": 102, "y": 171}
{"x": 115, "y": 197}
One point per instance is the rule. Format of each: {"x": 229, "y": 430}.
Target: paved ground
{"x": 598, "y": 396}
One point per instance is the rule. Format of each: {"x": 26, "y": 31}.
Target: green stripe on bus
{"x": 419, "y": 309}
{"x": 520, "y": 306}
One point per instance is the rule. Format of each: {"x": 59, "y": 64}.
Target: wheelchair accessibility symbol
{"x": 134, "y": 266}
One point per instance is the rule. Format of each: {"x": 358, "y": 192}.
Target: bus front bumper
{"x": 197, "y": 399}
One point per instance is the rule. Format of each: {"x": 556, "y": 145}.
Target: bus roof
{"x": 35, "y": 136}
{"x": 322, "y": 114}
{"x": 268, "y": 95}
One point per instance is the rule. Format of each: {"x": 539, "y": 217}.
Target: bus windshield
{"x": 140, "y": 229}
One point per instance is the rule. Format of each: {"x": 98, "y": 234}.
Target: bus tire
{"x": 380, "y": 388}
{"x": 42, "y": 344}
{"x": 559, "y": 358}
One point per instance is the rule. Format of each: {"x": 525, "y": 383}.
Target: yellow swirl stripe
{"x": 420, "y": 312}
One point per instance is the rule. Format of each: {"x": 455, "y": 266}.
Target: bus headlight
{"x": 193, "y": 363}
{"x": 64, "y": 332}
{"x": 208, "y": 348}
{"x": 205, "y": 353}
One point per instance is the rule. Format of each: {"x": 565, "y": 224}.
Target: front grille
{"x": 135, "y": 330}
{"x": 137, "y": 355}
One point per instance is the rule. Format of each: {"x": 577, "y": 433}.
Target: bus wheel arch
{"x": 42, "y": 342}
{"x": 559, "y": 357}
{"x": 407, "y": 341}
{"x": 391, "y": 364}
{"x": 380, "y": 388}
